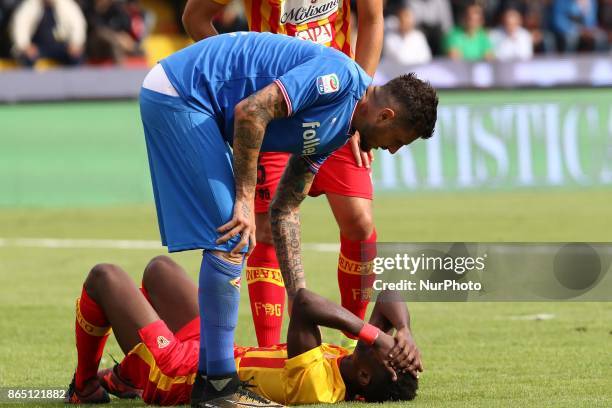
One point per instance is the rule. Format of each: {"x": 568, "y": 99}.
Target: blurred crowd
{"x": 98, "y": 31}
{"x": 504, "y": 30}
{"x": 71, "y": 32}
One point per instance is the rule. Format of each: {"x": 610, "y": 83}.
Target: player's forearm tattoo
{"x": 285, "y": 222}
{"x": 252, "y": 116}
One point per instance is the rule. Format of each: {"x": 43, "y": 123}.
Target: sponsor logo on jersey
{"x": 328, "y": 84}
{"x": 300, "y": 12}
{"x": 162, "y": 342}
{"x": 311, "y": 141}
{"x": 319, "y": 34}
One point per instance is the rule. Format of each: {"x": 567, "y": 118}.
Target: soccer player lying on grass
{"x": 257, "y": 92}
{"x": 157, "y": 328}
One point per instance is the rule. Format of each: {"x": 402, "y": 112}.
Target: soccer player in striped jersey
{"x": 157, "y": 327}
{"x": 345, "y": 177}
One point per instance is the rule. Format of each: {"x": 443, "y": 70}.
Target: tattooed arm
{"x": 251, "y": 117}
{"x": 285, "y": 221}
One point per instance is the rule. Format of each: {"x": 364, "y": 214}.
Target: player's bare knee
{"x": 358, "y": 228}
{"x": 159, "y": 265}
{"x": 101, "y": 277}
{"x": 157, "y": 273}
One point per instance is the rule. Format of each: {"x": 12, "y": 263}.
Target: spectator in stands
{"x": 469, "y": 41}
{"x": 605, "y": 18}
{"x": 511, "y": 41}
{"x": 115, "y": 30}
{"x": 458, "y": 6}
{"x": 406, "y": 45}
{"x": 434, "y": 18}
{"x": 575, "y": 24}
{"x": 390, "y": 7}
{"x": 53, "y": 29}
{"x": 492, "y": 10}
{"x": 6, "y": 10}
{"x": 536, "y": 13}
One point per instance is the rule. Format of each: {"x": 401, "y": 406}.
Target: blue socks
{"x": 219, "y": 297}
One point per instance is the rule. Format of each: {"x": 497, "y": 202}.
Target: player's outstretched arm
{"x": 285, "y": 222}
{"x": 198, "y": 18}
{"x": 251, "y": 117}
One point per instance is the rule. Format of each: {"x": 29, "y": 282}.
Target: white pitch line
{"x": 119, "y": 244}
{"x": 321, "y": 247}
{"x": 539, "y": 316}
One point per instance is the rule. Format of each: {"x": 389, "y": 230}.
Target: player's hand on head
{"x": 405, "y": 356}
{"x": 243, "y": 224}
{"x": 383, "y": 345}
{"x": 362, "y": 159}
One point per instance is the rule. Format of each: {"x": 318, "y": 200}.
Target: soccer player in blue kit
{"x": 208, "y": 110}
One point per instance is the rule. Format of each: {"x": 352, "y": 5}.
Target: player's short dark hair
{"x": 404, "y": 389}
{"x": 418, "y": 103}
{"x": 381, "y": 386}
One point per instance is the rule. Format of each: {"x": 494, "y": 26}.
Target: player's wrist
{"x": 243, "y": 195}
{"x": 369, "y": 334}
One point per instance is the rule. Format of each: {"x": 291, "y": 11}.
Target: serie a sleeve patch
{"x": 327, "y": 84}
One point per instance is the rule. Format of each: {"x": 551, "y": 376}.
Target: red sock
{"x": 92, "y": 330}
{"x": 355, "y": 276}
{"x": 266, "y": 293}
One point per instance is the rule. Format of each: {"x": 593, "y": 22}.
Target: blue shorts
{"x": 191, "y": 171}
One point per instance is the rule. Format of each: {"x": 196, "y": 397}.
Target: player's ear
{"x": 364, "y": 376}
{"x": 385, "y": 115}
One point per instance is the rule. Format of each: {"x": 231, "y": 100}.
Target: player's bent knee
{"x": 102, "y": 276}
{"x": 156, "y": 266}
{"x": 358, "y": 228}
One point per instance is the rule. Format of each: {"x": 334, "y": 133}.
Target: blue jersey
{"x": 321, "y": 87}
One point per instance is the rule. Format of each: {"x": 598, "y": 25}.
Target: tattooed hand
{"x": 251, "y": 117}
{"x": 285, "y": 221}
{"x": 243, "y": 223}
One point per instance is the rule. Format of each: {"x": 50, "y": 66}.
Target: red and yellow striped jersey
{"x": 312, "y": 377}
{"x": 325, "y": 22}
{"x": 167, "y": 377}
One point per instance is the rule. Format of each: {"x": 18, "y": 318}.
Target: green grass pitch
{"x": 475, "y": 355}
